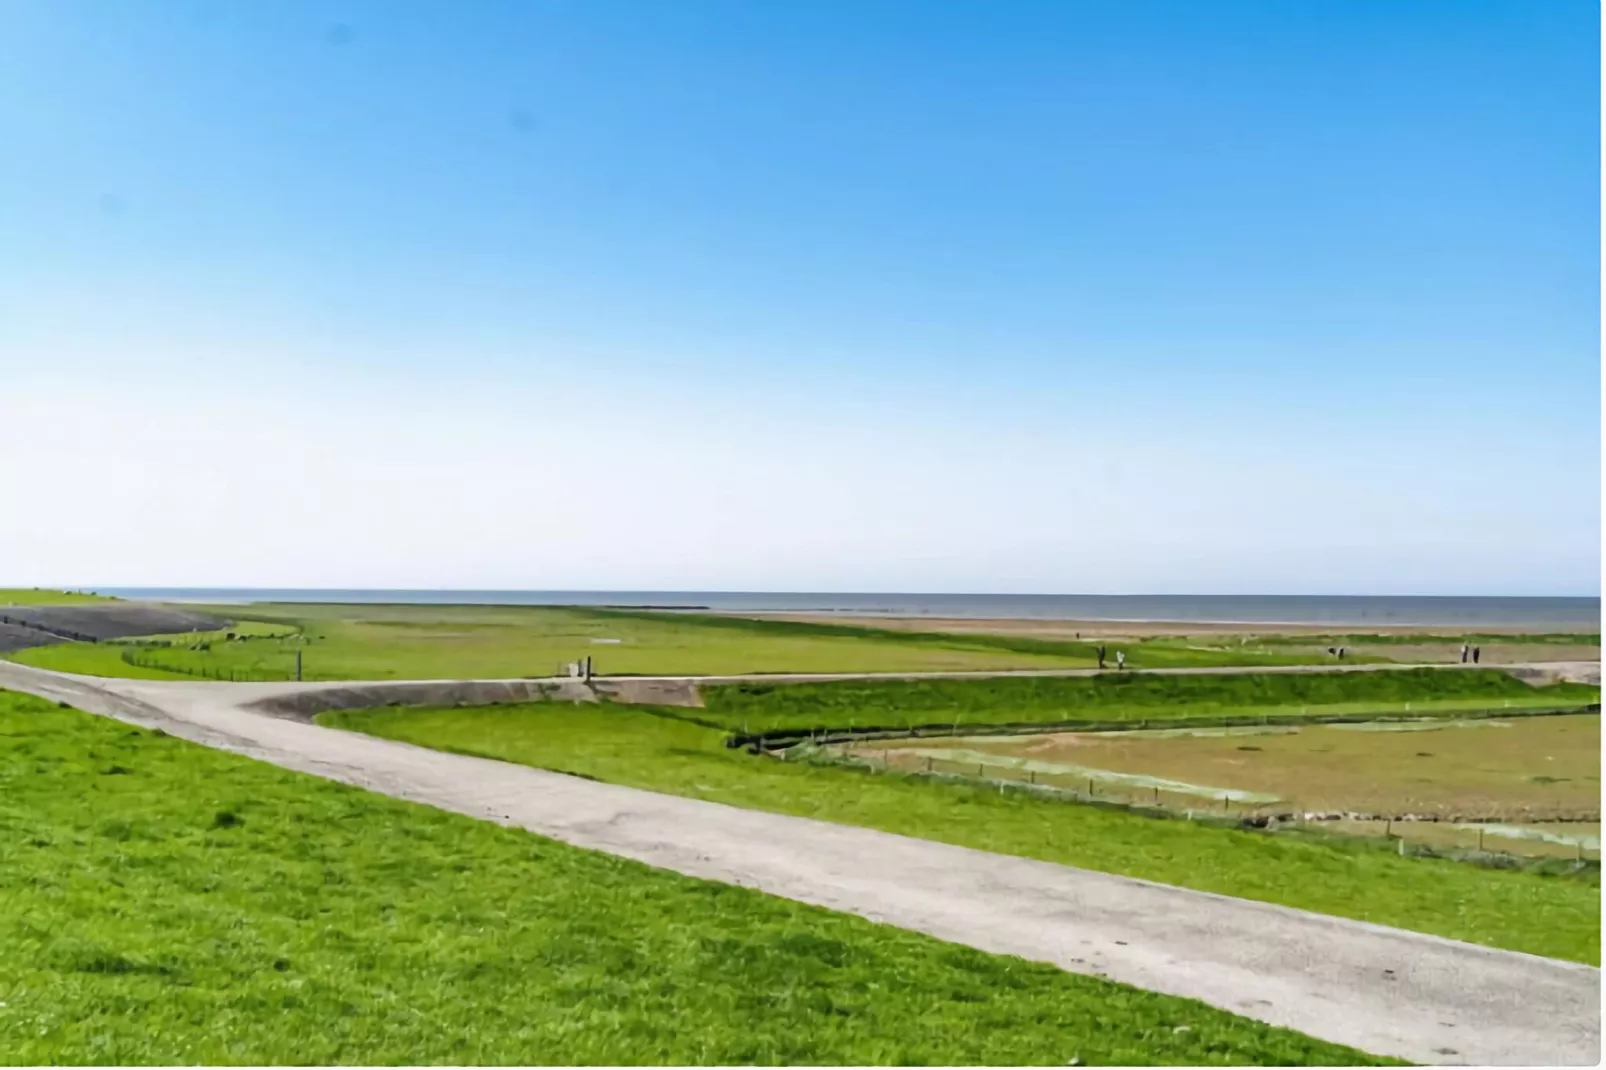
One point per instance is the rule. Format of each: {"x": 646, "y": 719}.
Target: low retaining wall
{"x": 305, "y": 703}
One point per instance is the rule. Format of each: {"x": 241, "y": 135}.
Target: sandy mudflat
{"x": 1071, "y": 629}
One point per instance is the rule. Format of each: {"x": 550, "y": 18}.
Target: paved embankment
{"x": 1387, "y": 991}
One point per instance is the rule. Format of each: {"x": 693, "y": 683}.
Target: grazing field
{"x": 379, "y": 642}
{"x": 44, "y": 596}
{"x": 1526, "y": 769}
{"x": 164, "y": 656}
{"x": 1508, "y": 775}
{"x": 169, "y": 904}
{"x": 662, "y": 751}
{"x": 764, "y": 707}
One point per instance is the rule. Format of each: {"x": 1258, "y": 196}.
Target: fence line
{"x": 1221, "y": 812}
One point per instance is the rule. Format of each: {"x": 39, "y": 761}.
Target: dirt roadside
{"x": 1420, "y": 998}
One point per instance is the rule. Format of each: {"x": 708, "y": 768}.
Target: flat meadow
{"x": 393, "y": 642}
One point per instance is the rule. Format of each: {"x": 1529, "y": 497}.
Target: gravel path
{"x": 1387, "y": 991}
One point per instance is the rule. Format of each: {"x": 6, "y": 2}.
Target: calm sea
{"x": 1557, "y": 614}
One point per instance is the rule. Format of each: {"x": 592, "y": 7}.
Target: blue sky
{"x": 1132, "y": 296}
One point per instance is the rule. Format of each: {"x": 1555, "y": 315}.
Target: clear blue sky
{"x": 1125, "y": 296}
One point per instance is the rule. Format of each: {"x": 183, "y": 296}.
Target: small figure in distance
{"x": 1475, "y": 652}
{"x": 1465, "y": 651}
{"x": 1340, "y": 653}
{"x": 1120, "y": 659}
{"x": 1101, "y": 655}
{"x": 1332, "y": 652}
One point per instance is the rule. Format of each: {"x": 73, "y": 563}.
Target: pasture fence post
{"x": 1480, "y": 837}
{"x": 928, "y": 763}
{"x": 1089, "y": 787}
{"x": 1157, "y": 795}
{"x": 1401, "y": 842}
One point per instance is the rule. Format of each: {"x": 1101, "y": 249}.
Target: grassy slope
{"x": 1153, "y": 654}
{"x": 760, "y": 707}
{"x": 40, "y": 596}
{"x": 88, "y": 659}
{"x": 163, "y": 903}
{"x": 355, "y": 642}
{"x": 634, "y": 746}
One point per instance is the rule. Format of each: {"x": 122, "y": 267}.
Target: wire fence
{"x": 1491, "y": 839}
{"x": 201, "y": 670}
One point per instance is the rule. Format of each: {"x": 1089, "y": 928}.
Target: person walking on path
{"x": 1120, "y": 659}
{"x": 1101, "y": 655}
{"x": 1465, "y": 651}
{"x": 1476, "y": 651}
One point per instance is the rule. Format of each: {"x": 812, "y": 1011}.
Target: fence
{"x": 1409, "y": 834}
{"x": 252, "y": 674}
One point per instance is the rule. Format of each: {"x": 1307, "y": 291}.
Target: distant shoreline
{"x": 1110, "y": 626}
{"x": 1376, "y": 614}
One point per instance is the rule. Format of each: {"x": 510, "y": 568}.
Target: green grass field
{"x": 143, "y": 657}
{"x": 168, "y": 904}
{"x": 368, "y": 642}
{"x": 1521, "y": 770}
{"x": 765, "y": 707}
{"x": 44, "y": 596}
{"x": 661, "y": 751}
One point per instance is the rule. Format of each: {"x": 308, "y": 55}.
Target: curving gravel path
{"x": 1387, "y": 991}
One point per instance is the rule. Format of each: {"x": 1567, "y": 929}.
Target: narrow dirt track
{"x": 1387, "y": 991}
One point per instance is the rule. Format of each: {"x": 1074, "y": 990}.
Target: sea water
{"x": 1550, "y": 614}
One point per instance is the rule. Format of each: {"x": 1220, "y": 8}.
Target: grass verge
{"x": 763, "y": 707}
{"x": 161, "y": 903}
{"x": 660, "y": 751}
